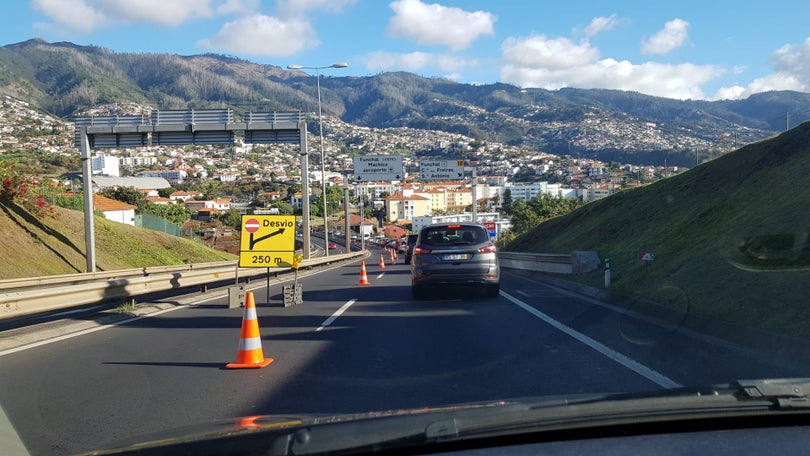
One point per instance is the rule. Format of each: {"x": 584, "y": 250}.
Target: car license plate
{"x": 454, "y": 256}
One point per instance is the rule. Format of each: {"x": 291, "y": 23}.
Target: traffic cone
{"x": 382, "y": 261}
{"x": 363, "y": 276}
{"x": 391, "y": 252}
{"x": 249, "y": 354}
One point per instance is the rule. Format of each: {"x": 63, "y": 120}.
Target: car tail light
{"x": 418, "y": 250}
{"x": 489, "y": 248}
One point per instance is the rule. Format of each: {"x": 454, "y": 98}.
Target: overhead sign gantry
{"x": 185, "y": 127}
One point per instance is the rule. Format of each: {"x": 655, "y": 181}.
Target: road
{"x": 348, "y": 348}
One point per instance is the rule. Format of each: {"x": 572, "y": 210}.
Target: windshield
{"x": 280, "y": 216}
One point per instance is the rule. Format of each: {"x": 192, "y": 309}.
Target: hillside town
{"x": 498, "y": 168}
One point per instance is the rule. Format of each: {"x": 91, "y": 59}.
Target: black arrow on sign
{"x": 253, "y": 242}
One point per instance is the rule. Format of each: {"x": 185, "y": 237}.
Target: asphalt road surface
{"x": 348, "y": 348}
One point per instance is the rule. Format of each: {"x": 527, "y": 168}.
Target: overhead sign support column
{"x": 87, "y": 184}
{"x": 305, "y": 189}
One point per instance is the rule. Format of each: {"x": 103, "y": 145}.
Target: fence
{"x": 155, "y": 223}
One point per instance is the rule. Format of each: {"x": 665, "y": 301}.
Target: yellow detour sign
{"x": 268, "y": 241}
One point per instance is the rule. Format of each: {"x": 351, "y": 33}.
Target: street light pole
{"x": 320, "y": 128}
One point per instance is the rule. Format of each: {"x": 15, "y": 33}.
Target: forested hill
{"x": 64, "y": 79}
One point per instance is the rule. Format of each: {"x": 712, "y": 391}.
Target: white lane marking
{"x": 335, "y": 315}
{"x": 651, "y": 375}
{"x": 380, "y": 276}
{"x": 68, "y": 312}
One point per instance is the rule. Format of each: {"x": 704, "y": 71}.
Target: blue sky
{"x": 707, "y": 49}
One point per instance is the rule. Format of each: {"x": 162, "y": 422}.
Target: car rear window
{"x": 453, "y": 235}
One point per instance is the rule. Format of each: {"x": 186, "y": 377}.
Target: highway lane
{"x": 384, "y": 351}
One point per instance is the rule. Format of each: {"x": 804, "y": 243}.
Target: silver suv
{"x": 454, "y": 254}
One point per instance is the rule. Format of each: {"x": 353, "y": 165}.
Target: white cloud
{"x": 416, "y": 61}
{"x": 238, "y": 7}
{"x": 297, "y": 8}
{"x": 261, "y": 35}
{"x": 87, "y": 15}
{"x": 76, "y": 16}
{"x": 435, "y": 24}
{"x": 673, "y": 35}
{"x": 601, "y": 24}
{"x": 541, "y": 62}
{"x": 792, "y": 72}
{"x": 542, "y": 52}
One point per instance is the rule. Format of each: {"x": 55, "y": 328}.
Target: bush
{"x": 22, "y": 186}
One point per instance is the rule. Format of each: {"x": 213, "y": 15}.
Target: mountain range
{"x": 66, "y": 79}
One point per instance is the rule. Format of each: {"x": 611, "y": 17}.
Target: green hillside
{"x": 730, "y": 237}
{"x": 38, "y": 246}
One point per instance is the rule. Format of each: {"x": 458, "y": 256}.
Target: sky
{"x": 706, "y": 49}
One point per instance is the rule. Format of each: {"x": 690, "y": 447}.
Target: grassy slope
{"x": 696, "y": 224}
{"x": 35, "y": 246}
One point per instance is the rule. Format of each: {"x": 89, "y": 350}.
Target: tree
{"x": 283, "y": 207}
{"x": 129, "y": 195}
{"x": 547, "y": 206}
{"x": 166, "y": 192}
{"x": 174, "y": 213}
{"x": 506, "y": 204}
{"x": 231, "y": 218}
{"x": 523, "y": 217}
{"x": 334, "y": 196}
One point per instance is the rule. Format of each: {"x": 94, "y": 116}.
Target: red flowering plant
{"x": 22, "y": 186}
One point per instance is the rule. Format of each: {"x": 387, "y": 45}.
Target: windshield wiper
{"x": 782, "y": 392}
{"x": 541, "y": 414}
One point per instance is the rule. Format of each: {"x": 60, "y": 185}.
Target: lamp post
{"x": 320, "y": 128}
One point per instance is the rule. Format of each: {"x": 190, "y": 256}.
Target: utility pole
{"x": 347, "y": 223}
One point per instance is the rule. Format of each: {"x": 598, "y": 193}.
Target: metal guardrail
{"x": 560, "y": 263}
{"x": 544, "y": 262}
{"x": 21, "y": 297}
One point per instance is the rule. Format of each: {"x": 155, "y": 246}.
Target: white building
{"x": 105, "y": 165}
{"x": 420, "y": 222}
{"x": 528, "y": 191}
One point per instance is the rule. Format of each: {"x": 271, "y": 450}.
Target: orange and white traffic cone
{"x": 391, "y": 252}
{"x": 249, "y": 354}
{"x": 382, "y": 261}
{"x": 363, "y": 275}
